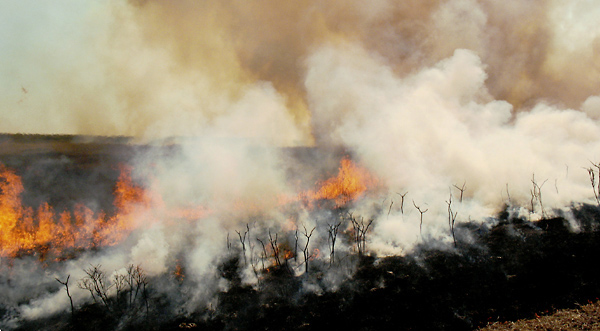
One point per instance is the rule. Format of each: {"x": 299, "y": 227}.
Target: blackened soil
{"x": 515, "y": 270}
{"x": 512, "y": 270}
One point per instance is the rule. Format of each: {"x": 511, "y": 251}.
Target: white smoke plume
{"x": 439, "y": 128}
{"x": 427, "y": 95}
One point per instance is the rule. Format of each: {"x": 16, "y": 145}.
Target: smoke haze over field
{"x": 164, "y": 68}
{"x": 425, "y": 94}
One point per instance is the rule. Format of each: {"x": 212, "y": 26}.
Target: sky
{"x": 156, "y": 69}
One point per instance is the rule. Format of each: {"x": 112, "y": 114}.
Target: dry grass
{"x": 586, "y": 317}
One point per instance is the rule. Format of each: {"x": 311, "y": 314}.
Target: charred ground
{"x": 508, "y": 269}
{"x": 515, "y": 269}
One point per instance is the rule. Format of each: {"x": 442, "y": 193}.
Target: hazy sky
{"x": 161, "y": 68}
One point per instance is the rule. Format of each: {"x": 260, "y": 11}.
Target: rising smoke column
{"x": 427, "y": 95}
{"x": 438, "y": 128}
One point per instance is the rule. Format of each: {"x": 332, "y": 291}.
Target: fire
{"x": 288, "y": 254}
{"x": 316, "y": 254}
{"x": 127, "y": 194}
{"x": 46, "y": 231}
{"x": 349, "y": 184}
{"x": 178, "y": 273}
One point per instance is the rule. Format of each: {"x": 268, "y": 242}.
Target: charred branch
{"x": 296, "y": 244}
{"x": 66, "y": 285}
{"x": 264, "y": 255}
{"x": 421, "y": 220}
{"x": 536, "y": 195}
{"x": 96, "y": 283}
{"x": 251, "y": 246}
{"x": 305, "y": 250}
{"x": 360, "y": 229}
{"x": 332, "y": 232}
{"x": 243, "y": 242}
{"x": 275, "y": 248}
{"x": 119, "y": 284}
{"x": 136, "y": 280}
{"x": 594, "y": 180}
{"x": 462, "y": 190}
{"x": 451, "y": 218}
{"x": 228, "y": 243}
{"x": 402, "y": 201}
{"x": 128, "y": 288}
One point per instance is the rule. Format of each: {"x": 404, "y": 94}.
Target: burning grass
{"x": 26, "y": 231}
{"x": 507, "y": 268}
{"x": 43, "y": 231}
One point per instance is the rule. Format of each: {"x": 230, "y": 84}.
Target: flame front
{"x": 24, "y": 231}
{"x": 349, "y": 184}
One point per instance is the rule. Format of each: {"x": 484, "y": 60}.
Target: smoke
{"x": 591, "y": 107}
{"x": 431, "y": 132}
{"x": 498, "y": 96}
{"x": 155, "y": 68}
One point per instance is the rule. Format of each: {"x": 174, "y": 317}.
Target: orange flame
{"x": 127, "y": 194}
{"x": 23, "y": 231}
{"x": 178, "y": 273}
{"x": 315, "y": 254}
{"x": 349, "y": 184}
{"x": 45, "y": 232}
{"x": 288, "y": 254}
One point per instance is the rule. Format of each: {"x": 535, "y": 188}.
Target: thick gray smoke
{"x": 498, "y": 96}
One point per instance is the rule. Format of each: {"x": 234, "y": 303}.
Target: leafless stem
{"x": 462, "y": 190}
{"x": 333, "y": 232}
{"x": 402, "y": 201}
{"x": 264, "y": 253}
{"x": 360, "y": 232}
{"x": 451, "y": 218}
{"x": 96, "y": 283}
{"x": 305, "y": 250}
{"x": 593, "y": 180}
{"x": 66, "y": 284}
{"x": 421, "y": 212}
{"x": 275, "y": 248}
{"x": 243, "y": 243}
{"x": 536, "y": 194}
